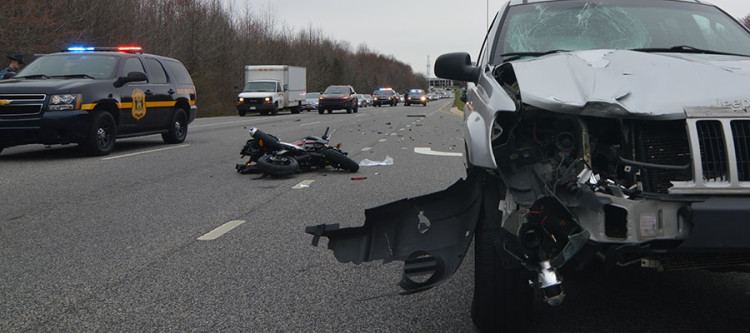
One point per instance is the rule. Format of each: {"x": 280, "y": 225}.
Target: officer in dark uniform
{"x": 16, "y": 63}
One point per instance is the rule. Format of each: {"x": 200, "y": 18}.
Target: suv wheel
{"x": 178, "y": 128}
{"x": 102, "y": 134}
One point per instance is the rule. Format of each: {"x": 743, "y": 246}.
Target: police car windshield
{"x": 260, "y": 87}
{"x": 536, "y": 28}
{"x": 71, "y": 66}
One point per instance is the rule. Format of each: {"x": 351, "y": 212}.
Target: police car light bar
{"x": 80, "y": 49}
{"x": 127, "y": 49}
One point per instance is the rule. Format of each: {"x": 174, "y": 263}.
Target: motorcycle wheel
{"x": 340, "y": 161}
{"x": 277, "y": 165}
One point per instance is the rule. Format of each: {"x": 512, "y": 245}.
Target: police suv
{"x": 93, "y": 95}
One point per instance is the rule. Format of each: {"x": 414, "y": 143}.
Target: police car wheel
{"x": 102, "y": 134}
{"x": 178, "y": 128}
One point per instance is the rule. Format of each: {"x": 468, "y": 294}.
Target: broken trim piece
{"x": 430, "y": 233}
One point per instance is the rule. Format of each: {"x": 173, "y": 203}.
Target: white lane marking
{"x": 143, "y": 152}
{"x": 366, "y": 148}
{"x": 303, "y": 184}
{"x": 394, "y": 133}
{"x": 402, "y": 129}
{"x": 223, "y": 229}
{"x": 429, "y": 151}
{"x": 225, "y": 123}
{"x": 383, "y": 140}
{"x": 312, "y": 123}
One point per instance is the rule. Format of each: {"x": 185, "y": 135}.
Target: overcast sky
{"x": 410, "y": 30}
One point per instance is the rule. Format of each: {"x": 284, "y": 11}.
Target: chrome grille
{"x": 713, "y": 150}
{"x": 720, "y": 147}
{"x": 741, "y": 134}
{"x": 21, "y": 104}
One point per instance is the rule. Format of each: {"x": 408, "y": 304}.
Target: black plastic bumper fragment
{"x": 430, "y": 233}
{"x": 720, "y": 224}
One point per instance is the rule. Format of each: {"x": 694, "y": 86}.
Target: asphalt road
{"x": 112, "y": 243}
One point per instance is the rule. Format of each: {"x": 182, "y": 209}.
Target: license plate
{"x": 252, "y": 108}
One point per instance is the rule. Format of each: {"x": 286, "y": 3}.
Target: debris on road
{"x": 387, "y": 161}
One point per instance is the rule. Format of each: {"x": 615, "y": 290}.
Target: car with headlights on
{"x": 385, "y": 96}
{"x": 415, "y": 96}
{"x": 338, "y": 97}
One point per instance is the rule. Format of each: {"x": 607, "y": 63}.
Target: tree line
{"x": 214, "y": 43}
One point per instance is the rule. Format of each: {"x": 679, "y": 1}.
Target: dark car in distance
{"x": 415, "y": 96}
{"x": 385, "y": 96}
{"x": 338, "y": 97}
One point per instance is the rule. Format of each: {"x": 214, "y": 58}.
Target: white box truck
{"x": 270, "y": 88}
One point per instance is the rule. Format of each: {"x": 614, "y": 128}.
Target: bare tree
{"x": 214, "y": 42}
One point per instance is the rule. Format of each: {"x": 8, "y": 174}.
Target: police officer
{"x": 16, "y": 63}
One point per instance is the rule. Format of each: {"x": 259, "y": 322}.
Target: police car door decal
{"x": 139, "y": 104}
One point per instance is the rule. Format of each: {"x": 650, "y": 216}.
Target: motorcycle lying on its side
{"x": 274, "y": 157}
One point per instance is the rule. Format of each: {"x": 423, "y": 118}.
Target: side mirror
{"x": 456, "y": 66}
{"x": 132, "y": 77}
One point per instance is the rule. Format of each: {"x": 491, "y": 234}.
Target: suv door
{"x": 140, "y": 106}
{"x": 159, "y": 95}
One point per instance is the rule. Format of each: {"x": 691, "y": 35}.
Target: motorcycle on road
{"x": 274, "y": 157}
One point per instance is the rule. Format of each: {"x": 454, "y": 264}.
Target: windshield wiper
{"x": 518, "y": 55}
{"x": 685, "y": 49}
{"x": 75, "y": 76}
{"x": 35, "y": 76}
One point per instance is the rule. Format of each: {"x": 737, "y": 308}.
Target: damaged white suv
{"x": 610, "y": 131}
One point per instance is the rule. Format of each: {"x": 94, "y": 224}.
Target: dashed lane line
{"x": 303, "y": 184}
{"x": 223, "y": 229}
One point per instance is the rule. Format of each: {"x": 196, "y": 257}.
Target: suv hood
{"x": 46, "y": 85}
{"x": 631, "y": 84}
{"x": 334, "y": 95}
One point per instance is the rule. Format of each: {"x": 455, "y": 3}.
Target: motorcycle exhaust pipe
{"x": 265, "y": 139}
